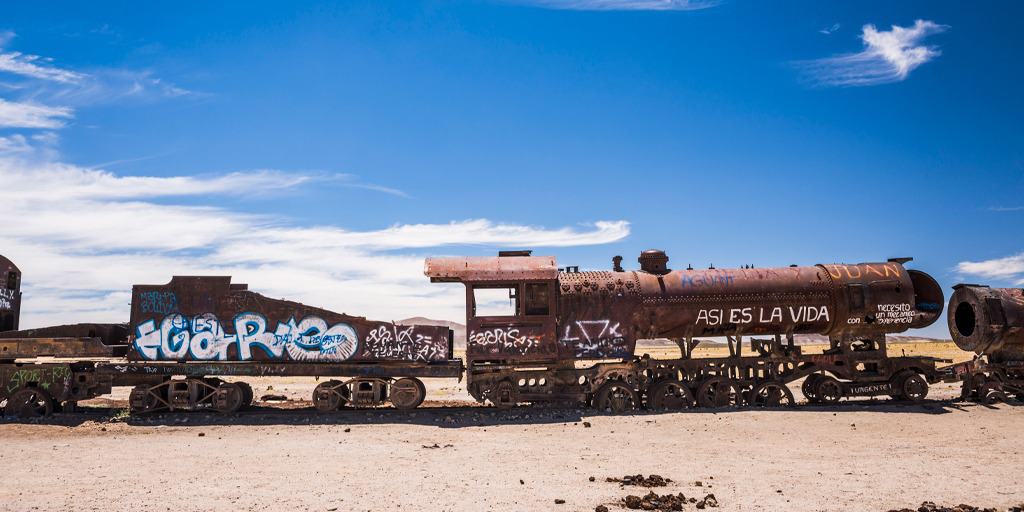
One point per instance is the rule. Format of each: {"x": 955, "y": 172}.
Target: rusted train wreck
{"x": 990, "y": 323}
{"x": 535, "y": 333}
{"x": 560, "y": 317}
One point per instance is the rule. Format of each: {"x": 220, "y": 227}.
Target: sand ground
{"x": 454, "y": 455}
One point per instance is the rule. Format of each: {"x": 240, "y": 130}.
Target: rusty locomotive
{"x": 990, "y": 323}
{"x": 535, "y": 333}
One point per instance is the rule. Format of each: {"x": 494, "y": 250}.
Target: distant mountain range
{"x": 801, "y": 339}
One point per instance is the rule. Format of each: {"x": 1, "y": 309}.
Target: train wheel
{"x": 810, "y": 388}
{"x": 773, "y": 394}
{"x": 228, "y": 398}
{"x": 29, "y": 403}
{"x": 914, "y": 388}
{"x": 616, "y": 397}
{"x": 247, "y": 394}
{"x": 407, "y": 393}
{"x": 330, "y": 395}
{"x": 829, "y": 390}
{"x": 991, "y": 394}
{"x": 669, "y": 395}
{"x": 718, "y": 392}
{"x": 504, "y": 395}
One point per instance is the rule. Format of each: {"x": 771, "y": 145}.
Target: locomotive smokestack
{"x": 617, "y": 263}
{"x": 654, "y": 261}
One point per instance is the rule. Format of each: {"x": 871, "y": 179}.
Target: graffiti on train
{"x": 501, "y": 340}
{"x": 398, "y": 342}
{"x": 41, "y": 377}
{"x": 595, "y": 338}
{"x": 178, "y": 337}
{"x": 163, "y": 303}
{"x": 757, "y": 315}
{"x": 6, "y": 298}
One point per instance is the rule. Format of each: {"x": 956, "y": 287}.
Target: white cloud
{"x": 1008, "y": 268}
{"x": 888, "y": 56}
{"x": 32, "y": 66}
{"x": 31, "y": 115}
{"x": 830, "y": 30}
{"x": 84, "y": 236}
{"x": 623, "y": 5}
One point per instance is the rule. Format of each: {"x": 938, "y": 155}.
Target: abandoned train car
{"x": 990, "y": 323}
{"x": 535, "y": 333}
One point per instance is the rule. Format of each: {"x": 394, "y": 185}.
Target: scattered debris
{"x": 640, "y": 480}
{"x": 586, "y": 424}
{"x": 202, "y": 434}
{"x": 929, "y": 506}
{"x": 348, "y": 430}
{"x": 600, "y": 508}
{"x": 592, "y": 479}
{"x": 559, "y": 501}
{"x": 273, "y": 398}
{"x": 653, "y": 501}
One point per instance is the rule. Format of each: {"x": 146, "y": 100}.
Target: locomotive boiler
{"x": 990, "y": 323}
{"x": 558, "y": 316}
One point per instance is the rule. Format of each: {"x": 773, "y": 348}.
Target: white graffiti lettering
{"x": 742, "y": 316}
{"x": 595, "y": 338}
{"x": 507, "y": 339}
{"x": 6, "y": 298}
{"x": 889, "y": 314}
{"x": 202, "y": 337}
{"x": 397, "y": 342}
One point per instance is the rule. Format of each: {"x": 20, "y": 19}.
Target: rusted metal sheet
{"x": 126, "y": 370}
{"x": 59, "y": 382}
{"x": 482, "y": 269}
{"x": 988, "y": 321}
{"x": 110, "y": 334}
{"x": 10, "y": 295}
{"x": 211, "y": 319}
{"x": 601, "y": 314}
{"x": 15, "y": 348}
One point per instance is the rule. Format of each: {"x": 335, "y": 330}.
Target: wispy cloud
{"x": 43, "y": 95}
{"x": 1008, "y": 268}
{"x": 32, "y": 66}
{"x": 830, "y": 30}
{"x": 623, "y": 5}
{"x": 1007, "y": 209}
{"x": 32, "y": 115}
{"x": 888, "y": 56}
{"x": 84, "y": 236}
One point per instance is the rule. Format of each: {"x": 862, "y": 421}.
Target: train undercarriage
{"x": 850, "y": 368}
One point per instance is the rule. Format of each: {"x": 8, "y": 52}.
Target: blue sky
{"x": 319, "y": 151}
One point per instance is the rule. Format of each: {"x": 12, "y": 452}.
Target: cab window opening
{"x": 537, "y": 299}
{"x": 496, "y": 300}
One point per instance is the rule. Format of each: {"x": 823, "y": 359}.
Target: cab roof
{"x": 490, "y": 268}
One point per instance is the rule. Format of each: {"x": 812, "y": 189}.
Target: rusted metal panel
{"x": 211, "y": 319}
{"x": 127, "y": 371}
{"x": 110, "y": 334}
{"x": 482, "y": 269}
{"x": 10, "y": 295}
{"x": 14, "y": 348}
{"x": 601, "y": 314}
{"x": 988, "y": 321}
{"x": 61, "y": 382}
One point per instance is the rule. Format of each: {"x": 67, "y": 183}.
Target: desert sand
{"x": 456, "y": 455}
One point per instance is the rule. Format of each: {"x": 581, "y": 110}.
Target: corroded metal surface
{"x": 10, "y": 295}
{"x": 14, "y": 348}
{"x": 478, "y": 269}
{"x": 988, "y": 321}
{"x": 601, "y": 314}
{"x": 211, "y": 319}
